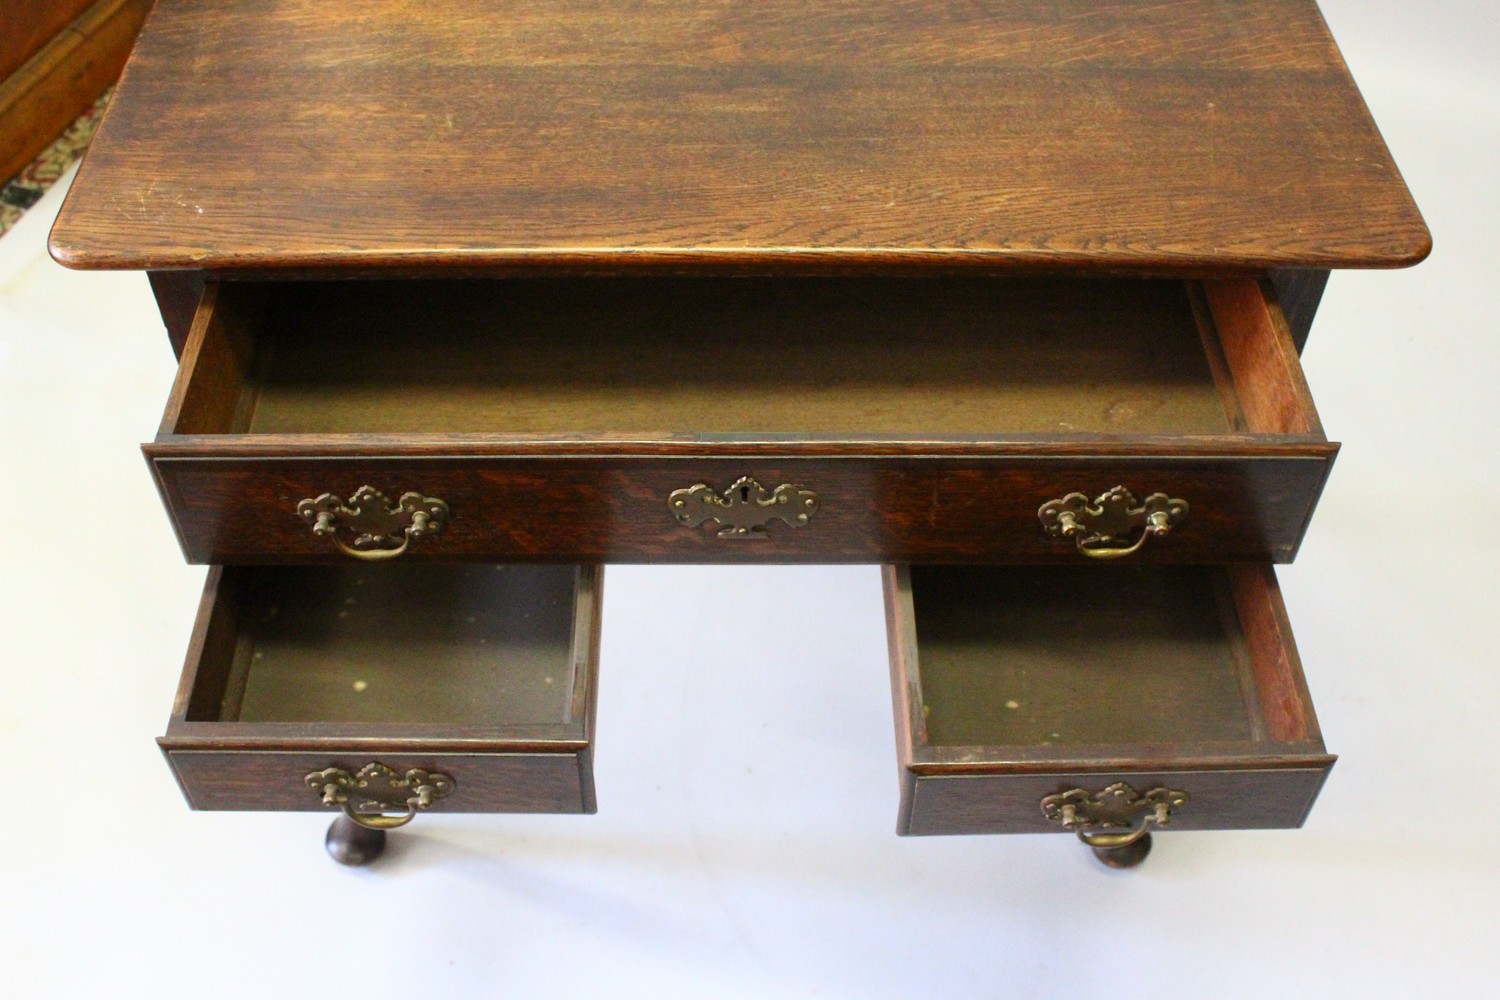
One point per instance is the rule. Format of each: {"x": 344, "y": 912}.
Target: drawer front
{"x": 501, "y": 782}
{"x": 244, "y": 508}
{"x": 1237, "y": 799}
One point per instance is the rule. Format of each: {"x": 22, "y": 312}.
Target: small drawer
{"x": 1020, "y": 692}
{"x": 740, "y": 420}
{"x": 481, "y": 678}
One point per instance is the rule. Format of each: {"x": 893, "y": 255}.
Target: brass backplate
{"x": 1118, "y": 807}
{"x": 376, "y": 526}
{"x": 377, "y": 788}
{"x": 1102, "y": 529}
{"x": 743, "y": 510}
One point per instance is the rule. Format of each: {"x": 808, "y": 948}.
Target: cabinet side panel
{"x": 1300, "y": 291}
{"x": 177, "y": 294}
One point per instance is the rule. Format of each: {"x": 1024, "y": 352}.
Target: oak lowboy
{"x": 1007, "y": 294}
{"x": 569, "y": 419}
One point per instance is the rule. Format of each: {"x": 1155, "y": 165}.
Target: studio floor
{"x": 744, "y": 844}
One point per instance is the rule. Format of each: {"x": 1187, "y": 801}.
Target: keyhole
{"x": 744, "y": 494}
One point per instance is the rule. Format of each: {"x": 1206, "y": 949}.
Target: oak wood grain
{"x": 777, "y": 136}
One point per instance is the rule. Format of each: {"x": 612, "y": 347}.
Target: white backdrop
{"x": 744, "y": 845}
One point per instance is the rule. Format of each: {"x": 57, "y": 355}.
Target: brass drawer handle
{"x": 370, "y": 796}
{"x": 744, "y": 510}
{"x": 1099, "y": 530}
{"x": 381, "y": 530}
{"x": 1114, "y": 818}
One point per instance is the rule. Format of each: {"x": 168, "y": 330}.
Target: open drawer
{"x": 741, "y": 419}
{"x": 1025, "y": 698}
{"x": 465, "y": 688}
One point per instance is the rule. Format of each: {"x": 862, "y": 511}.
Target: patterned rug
{"x": 26, "y": 188}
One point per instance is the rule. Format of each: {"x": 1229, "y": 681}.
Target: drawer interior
{"x": 1079, "y": 656}
{"x": 1053, "y": 660}
{"x": 648, "y": 358}
{"x": 462, "y": 645}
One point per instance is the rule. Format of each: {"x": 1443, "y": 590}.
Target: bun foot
{"x": 349, "y": 843}
{"x": 1128, "y": 856}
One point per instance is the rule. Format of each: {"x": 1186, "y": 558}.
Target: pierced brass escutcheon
{"x": 1101, "y": 529}
{"x": 369, "y": 796}
{"x": 744, "y": 510}
{"x": 381, "y": 530}
{"x": 1116, "y": 817}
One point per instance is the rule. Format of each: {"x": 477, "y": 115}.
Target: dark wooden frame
{"x": 79, "y": 48}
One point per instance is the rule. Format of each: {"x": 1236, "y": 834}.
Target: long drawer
{"x": 951, "y": 420}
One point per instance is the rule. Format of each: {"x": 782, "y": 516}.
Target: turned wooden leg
{"x": 1128, "y": 856}
{"x": 349, "y": 843}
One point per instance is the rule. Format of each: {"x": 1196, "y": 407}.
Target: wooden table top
{"x": 757, "y": 135}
